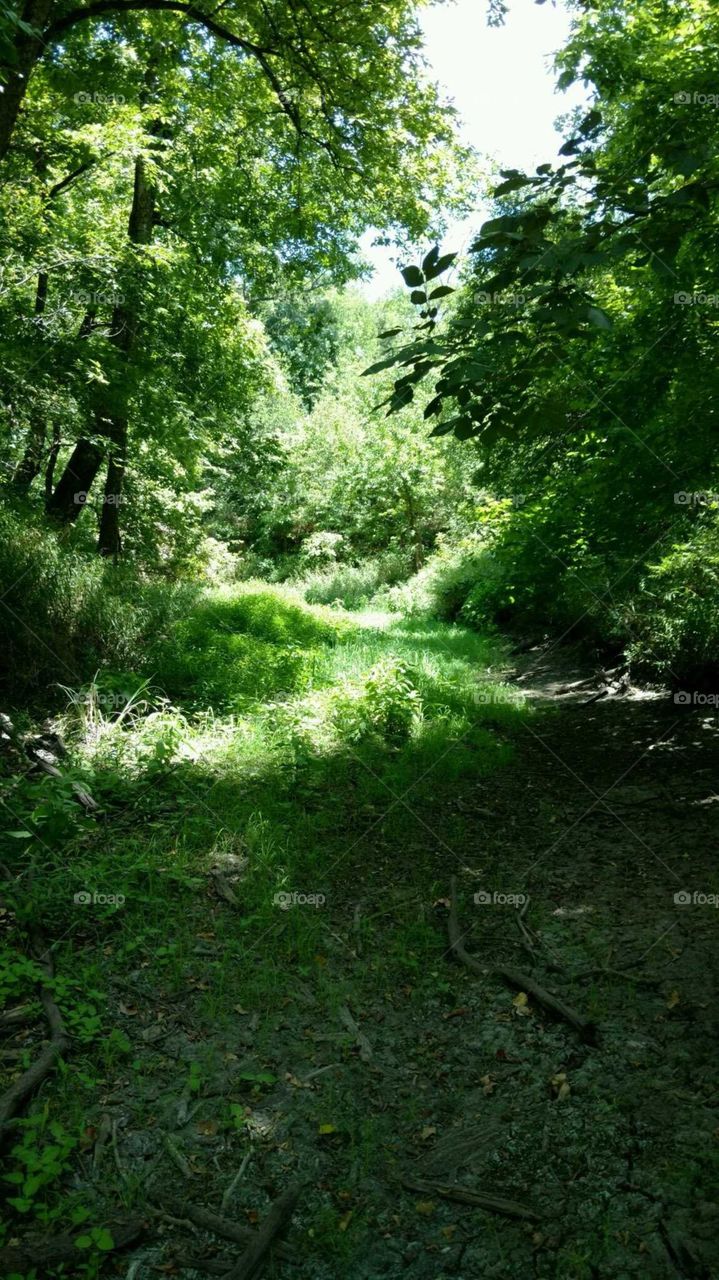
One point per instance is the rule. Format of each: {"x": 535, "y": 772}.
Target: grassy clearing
{"x": 271, "y": 749}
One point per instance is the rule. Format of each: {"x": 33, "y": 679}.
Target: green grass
{"x": 307, "y": 751}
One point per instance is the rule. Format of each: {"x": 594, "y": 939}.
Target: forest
{"x": 359, "y": 653}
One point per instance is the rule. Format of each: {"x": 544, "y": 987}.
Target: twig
{"x": 223, "y": 889}
{"x": 176, "y": 1156}
{"x": 228, "y": 1194}
{"x": 252, "y": 1262}
{"x": 116, "y": 1153}
{"x": 318, "y": 1071}
{"x": 480, "y": 1199}
{"x": 363, "y": 1044}
{"x": 210, "y": 1221}
{"x": 16, "y": 1017}
{"x": 587, "y": 1029}
{"x": 103, "y": 1134}
{"x": 26, "y": 1084}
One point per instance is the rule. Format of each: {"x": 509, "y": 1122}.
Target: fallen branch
{"x": 21, "y": 1258}
{"x": 228, "y": 1194}
{"x": 521, "y": 981}
{"x": 43, "y": 1064}
{"x": 479, "y": 1199}
{"x": 177, "y": 1157}
{"x": 252, "y": 1262}
{"x": 210, "y": 1221}
{"x": 17, "y": 1017}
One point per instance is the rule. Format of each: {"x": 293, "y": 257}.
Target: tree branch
{"x": 188, "y": 12}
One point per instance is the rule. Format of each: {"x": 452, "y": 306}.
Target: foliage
{"x": 66, "y": 614}
{"x": 241, "y": 645}
{"x": 582, "y": 341}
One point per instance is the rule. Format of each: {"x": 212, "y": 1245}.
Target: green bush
{"x": 674, "y": 618}
{"x": 352, "y": 586}
{"x": 386, "y": 704}
{"x": 442, "y": 585}
{"x": 65, "y": 613}
{"x": 240, "y": 645}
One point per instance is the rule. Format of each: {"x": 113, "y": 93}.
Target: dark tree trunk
{"x": 27, "y": 50}
{"x": 31, "y": 461}
{"x": 76, "y": 481}
{"x": 52, "y": 461}
{"x": 109, "y": 542}
{"x": 30, "y": 464}
{"x": 111, "y": 416}
{"x": 125, "y": 321}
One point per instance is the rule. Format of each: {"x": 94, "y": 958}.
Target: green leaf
{"x": 440, "y": 265}
{"x": 431, "y": 259}
{"x": 103, "y": 1239}
{"x": 412, "y": 276}
{"x": 380, "y": 365}
{"x": 512, "y": 184}
{"x": 464, "y": 429}
{"x": 418, "y": 297}
{"x": 442, "y": 291}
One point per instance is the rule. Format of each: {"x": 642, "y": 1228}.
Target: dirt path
{"x": 440, "y": 1076}
{"x": 371, "y": 1059}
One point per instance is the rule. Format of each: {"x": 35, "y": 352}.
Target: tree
{"x": 259, "y": 177}
{"x": 579, "y": 351}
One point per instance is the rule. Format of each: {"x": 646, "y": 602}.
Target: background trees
{"x": 580, "y": 350}
{"x": 164, "y": 180}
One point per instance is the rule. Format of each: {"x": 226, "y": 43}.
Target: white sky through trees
{"x": 502, "y": 83}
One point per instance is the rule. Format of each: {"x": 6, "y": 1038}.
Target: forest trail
{"x": 230, "y": 1040}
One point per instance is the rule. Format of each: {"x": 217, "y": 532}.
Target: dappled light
{"x": 359, "y": 678}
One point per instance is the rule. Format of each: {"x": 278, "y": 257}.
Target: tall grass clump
{"x": 65, "y": 613}
{"x": 241, "y": 644}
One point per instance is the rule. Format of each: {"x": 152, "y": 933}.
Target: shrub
{"x": 386, "y": 704}
{"x": 65, "y": 613}
{"x": 674, "y": 619}
{"x": 442, "y": 585}
{"x": 237, "y": 646}
{"x": 353, "y": 586}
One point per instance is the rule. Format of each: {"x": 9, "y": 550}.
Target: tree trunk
{"x": 125, "y": 321}
{"x": 109, "y": 542}
{"x": 52, "y": 460}
{"x": 75, "y": 482}
{"x": 27, "y": 49}
{"x": 68, "y": 499}
{"x": 31, "y": 461}
{"x": 111, "y": 416}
